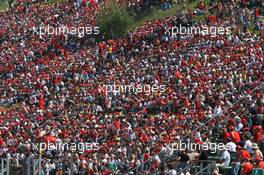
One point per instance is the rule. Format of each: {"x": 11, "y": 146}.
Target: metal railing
{"x": 5, "y": 164}
{"x": 204, "y": 167}
{"x": 33, "y": 166}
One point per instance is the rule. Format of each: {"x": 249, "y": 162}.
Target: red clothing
{"x": 226, "y": 135}
{"x": 117, "y": 124}
{"x": 244, "y": 121}
{"x": 261, "y": 165}
{"x": 235, "y": 136}
{"x": 258, "y": 137}
{"x": 1, "y": 141}
{"x": 84, "y": 2}
{"x": 212, "y": 18}
{"x": 245, "y": 155}
{"x": 247, "y": 168}
{"x": 178, "y": 75}
{"x": 146, "y": 157}
{"x": 41, "y": 101}
{"x": 257, "y": 12}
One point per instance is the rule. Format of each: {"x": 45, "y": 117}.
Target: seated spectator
{"x": 256, "y": 152}
{"x": 225, "y": 158}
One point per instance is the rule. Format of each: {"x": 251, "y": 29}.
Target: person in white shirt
{"x": 238, "y": 124}
{"x": 248, "y": 143}
{"x": 171, "y": 170}
{"x": 225, "y": 158}
{"x": 231, "y": 147}
{"x": 156, "y": 157}
{"x": 217, "y": 111}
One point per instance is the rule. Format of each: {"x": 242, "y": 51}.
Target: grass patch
{"x": 3, "y": 5}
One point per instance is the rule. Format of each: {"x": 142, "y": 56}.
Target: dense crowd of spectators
{"x": 51, "y": 90}
{"x": 143, "y": 6}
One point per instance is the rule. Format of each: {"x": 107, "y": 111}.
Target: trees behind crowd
{"x": 113, "y": 20}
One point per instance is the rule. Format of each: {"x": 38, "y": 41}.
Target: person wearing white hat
{"x": 256, "y": 151}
